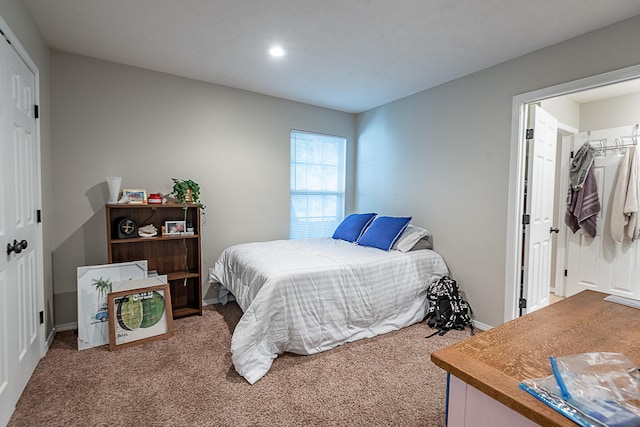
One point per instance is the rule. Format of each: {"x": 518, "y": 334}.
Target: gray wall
{"x": 565, "y": 110}
{"x": 148, "y": 127}
{"x": 610, "y": 113}
{"x": 16, "y": 15}
{"x": 442, "y": 155}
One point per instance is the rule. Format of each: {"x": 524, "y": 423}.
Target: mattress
{"x": 308, "y": 296}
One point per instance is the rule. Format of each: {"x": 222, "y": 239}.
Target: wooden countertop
{"x": 497, "y": 360}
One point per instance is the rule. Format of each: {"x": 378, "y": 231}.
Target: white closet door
{"x": 600, "y": 263}
{"x": 20, "y": 286}
{"x": 540, "y": 194}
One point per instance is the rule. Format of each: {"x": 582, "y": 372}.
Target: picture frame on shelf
{"x": 139, "y": 315}
{"x": 135, "y": 196}
{"x": 175, "y": 228}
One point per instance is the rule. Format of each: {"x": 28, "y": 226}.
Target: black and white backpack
{"x": 446, "y": 309}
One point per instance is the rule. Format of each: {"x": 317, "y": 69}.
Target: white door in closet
{"x": 21, "y": 288}
{"x": 539, "y": 206}
{"x": 600, "y": 263}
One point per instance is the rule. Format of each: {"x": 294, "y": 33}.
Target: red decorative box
{"x": 154, "y": 198}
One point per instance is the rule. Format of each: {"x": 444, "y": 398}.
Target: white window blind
{"x": 317, "y": 184}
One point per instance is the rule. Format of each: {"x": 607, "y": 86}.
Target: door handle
{"x": 17, "y": 247}
{"x": 554, "y": 230}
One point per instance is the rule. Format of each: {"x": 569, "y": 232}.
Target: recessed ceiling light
{"x": 277, "y": 51}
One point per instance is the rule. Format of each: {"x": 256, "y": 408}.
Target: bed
{"x": 311, "y": 295}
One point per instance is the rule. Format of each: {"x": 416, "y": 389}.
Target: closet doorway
{"x": 516, "y": 283}
{"x": 601, "y": 263}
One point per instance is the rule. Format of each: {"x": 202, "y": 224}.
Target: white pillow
{"x": 425, "y": 243}
{"x": 409, "y": 237}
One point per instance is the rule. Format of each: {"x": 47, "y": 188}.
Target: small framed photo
{"x": 135, "y": 196}
{"x": 139, "y": 315}
{"x": 175, "y": 228}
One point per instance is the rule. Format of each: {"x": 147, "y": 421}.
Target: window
{"x": 317, "y": 184}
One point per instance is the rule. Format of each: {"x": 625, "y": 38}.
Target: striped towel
{"x": 583, "y": 206}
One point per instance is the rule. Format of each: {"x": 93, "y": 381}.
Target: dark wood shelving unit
{"x": 179, "y": 257}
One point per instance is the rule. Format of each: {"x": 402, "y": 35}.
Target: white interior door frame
{"x": 517, "y": 170}
{"x": 565, "y": 132}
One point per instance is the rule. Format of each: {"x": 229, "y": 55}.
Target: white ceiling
{"x": 610, "y": 91}
{"x": 348, "y": 55}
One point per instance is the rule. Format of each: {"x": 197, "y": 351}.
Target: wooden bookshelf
{"x": 179, "y": 257}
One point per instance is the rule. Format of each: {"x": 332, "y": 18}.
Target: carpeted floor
{"x": 189, "y": 380}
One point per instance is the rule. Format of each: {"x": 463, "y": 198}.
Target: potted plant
{"x": 186, "y": 191}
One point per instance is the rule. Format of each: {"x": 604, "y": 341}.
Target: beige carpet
{"x": 189, "y": 380}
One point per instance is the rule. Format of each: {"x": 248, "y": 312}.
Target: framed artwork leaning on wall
{"x": 139, "y": 315}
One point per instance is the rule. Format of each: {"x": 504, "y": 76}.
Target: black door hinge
{"x": 571, "y": 155}
{"x": 41, "y": 317}
{"x": 525, "y": 219}
{"x": 39, "y": 215}
{"x": 529, "y": 134}
{"x": 522, "y": 303}
{"x": 36, "y": 111}
{"x": 4, "y": 36}
{"x": 565, "y": 273}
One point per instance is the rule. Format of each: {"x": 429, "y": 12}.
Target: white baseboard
{"x": 481, "y": 326}
{"x": 50, "y": 338}
{"x": 210, "y": 301}
{"x": 66, "y": 327}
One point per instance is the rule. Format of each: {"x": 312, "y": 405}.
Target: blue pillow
{"x": 383, "y": 232}
{"x": 352, "y": 226}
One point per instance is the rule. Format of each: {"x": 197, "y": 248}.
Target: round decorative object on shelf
{"x": 126, "y": 228}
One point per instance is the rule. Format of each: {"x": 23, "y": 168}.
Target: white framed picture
{"x": 175, "y": 228}
{"x": 135, "y": 196}
{"x": 95, "y": 282}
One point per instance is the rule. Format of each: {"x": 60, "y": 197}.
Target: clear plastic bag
{"x": 592, "y": 389}
{"x": 600, "y": 376}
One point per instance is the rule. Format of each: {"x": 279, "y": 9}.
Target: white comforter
{"x": 307, "y": 296}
